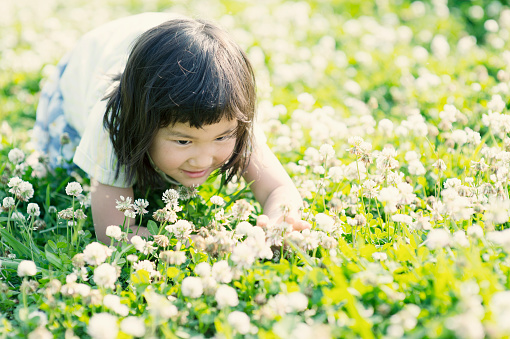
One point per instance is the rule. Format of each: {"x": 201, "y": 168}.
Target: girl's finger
{"x": 262, "y": 220}
{"x": 301, "y": 225}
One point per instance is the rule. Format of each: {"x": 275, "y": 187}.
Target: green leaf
{"x": 152, "y": 227}
{"x": 19, "y": 248}
{"x": 54, "y": 260}
{"x": 52, "y": 244}
{"x": 61, "y": 244}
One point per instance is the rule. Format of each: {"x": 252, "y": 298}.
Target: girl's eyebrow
{"x": 183, "y": 135}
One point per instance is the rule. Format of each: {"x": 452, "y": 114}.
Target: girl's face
{"x": 189, "y": 155}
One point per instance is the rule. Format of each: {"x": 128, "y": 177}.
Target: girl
{"x": 181, "y": 105}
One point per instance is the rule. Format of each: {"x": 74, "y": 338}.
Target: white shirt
{"x": 99, "y": 55}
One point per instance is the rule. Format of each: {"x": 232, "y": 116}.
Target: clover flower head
{"x": 16, "y": 156}
{"x": 74, "y": 189}
{"x": 33, "y": 209}
{"x": 23, "y": 190}
{"x": 327, "y": 151}
{"x": 240, "y": 321}
{"x": 440, "y": 165}
{"x": 105, "y": 275}
{"x": 171, "y": 196}
{"x": 103, "y": 326}
{"x": 217, "y": 200}
{"x": 181, "y": 229}
{"x": 140, "y": 206}
{"x": 124, "y": 204}
{"x": 8, "y": 203}
{"x": 114, "y": 231}
{"x": 226, "y": 296}
{"x": 192, "y": 287}
{"x": 203, "y": 269}
{"x": 221, "y": 272}
{"x": 27, "y": 268}
{"x": 96, "y": 253}
{"x": 133, "y": 326}
{"x": 173, "y": 257}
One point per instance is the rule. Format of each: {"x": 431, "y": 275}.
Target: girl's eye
{"x": 183, "y": 142}
{"x": 225, "y": 137}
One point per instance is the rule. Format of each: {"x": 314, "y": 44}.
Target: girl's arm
{"x": 104, "y": 212}
{"x": 273, "y": 188}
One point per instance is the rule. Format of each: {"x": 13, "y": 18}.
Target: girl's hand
{"x": 297, "y": 223}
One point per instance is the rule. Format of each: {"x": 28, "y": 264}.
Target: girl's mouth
{"x": 195, "y": 174}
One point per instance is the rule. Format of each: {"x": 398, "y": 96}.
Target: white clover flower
{"x": 33, "y": 210}
{"x": 466, "y": 326}
{"x": 8, "y": 203}
{"x": 181, "y": 229}
{"x": 221, "y": 272}
{"x": 192, "y": 287}
{"x": 380, "y": 256}
{"x": 133, "y": 326}
{"x": 239, "y": 321}
{"x": 40, "y": 333}
{"x": 27, "y": 268}
{"x": 452, "y": 183}
{"x": 302, "y": 331}
{"x": 140, "y": 205}
{"x": 146, "y": 265}
{"x": 23, "y": 190}
{"x": 500, "y": 309}
{"x": 226, "y": 296}
{"x": 243, "y": 228}
{"x": 335, "y": 174}
{"x": 217, "y": 200}
{"x": 475, "y": 231}
{"x": 173, "y": 257}
{"x": 112, "y": 302}
{"x": 16, "y": 156}
{"x": 497, "y": 104}
{"x": 403, "y": 218}
{"x": 138, "y": 243}
{"x": 297, "y": 301}
{"x": 103, "y": 326}
{"x": 327, "y": 151}
{"x": 386, "y": 159}
{"x": 243, "y": 255}
{"x": 385, "y": 126}
{"x": 159, "y": 306}
{"x": 170, "y": 197}
{"x": 203, "y": 269}
{"x": 388, "y": 194}
{"x": 105, "y": 275}
{"x": 124, "y": 204}
{"x": 130, "y": 214}
{"x": 438, "y": 238}
{"x": 18, "y": 216}
{"x": 459, "y": 239}
{"x": 114, "y": 231}
{"x": 415, "y": 167}
{"x": 96, "y": 253}
{"x": 325, "y": 223}
{"x": 73, "y": 189}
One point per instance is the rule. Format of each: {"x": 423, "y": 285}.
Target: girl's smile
{"x": 189, "y": 155}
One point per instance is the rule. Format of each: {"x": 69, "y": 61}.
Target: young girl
{"x": 181, "y": 105}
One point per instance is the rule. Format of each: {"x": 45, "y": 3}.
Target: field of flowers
{"x": 392, "y": 118}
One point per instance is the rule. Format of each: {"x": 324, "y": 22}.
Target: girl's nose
{"x": 201, "y": 161}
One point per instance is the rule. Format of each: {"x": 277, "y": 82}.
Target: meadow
{"x": 392, "y": 118}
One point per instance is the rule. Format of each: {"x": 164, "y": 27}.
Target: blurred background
{"x": 360, "y": 58}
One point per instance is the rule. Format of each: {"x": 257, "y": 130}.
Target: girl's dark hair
{"x": 182, "y": 71}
